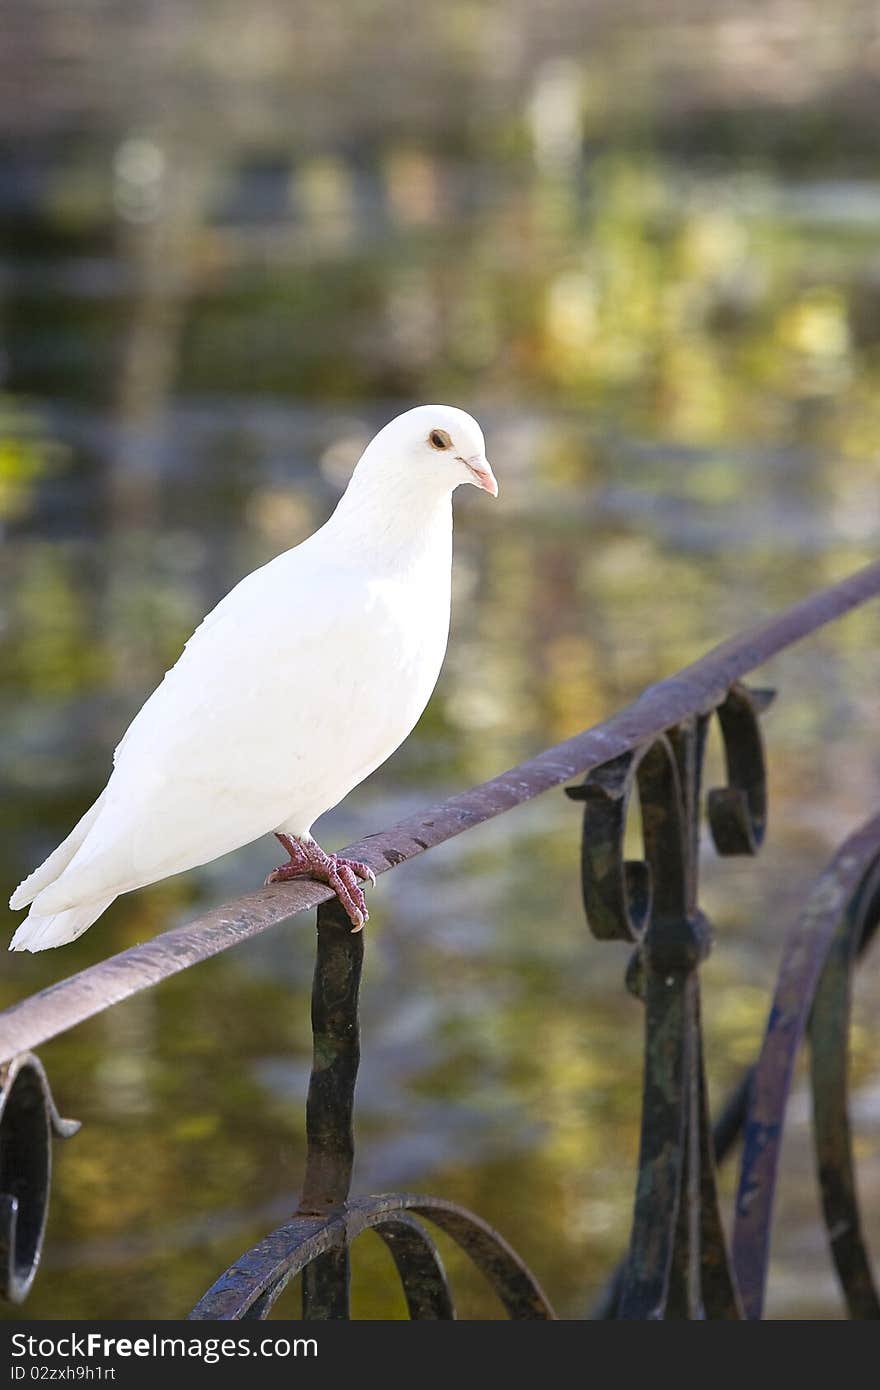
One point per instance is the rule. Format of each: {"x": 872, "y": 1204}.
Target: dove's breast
{"x": 384, "y": 679}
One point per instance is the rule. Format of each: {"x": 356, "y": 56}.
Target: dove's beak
{"x": 482, "y": 475}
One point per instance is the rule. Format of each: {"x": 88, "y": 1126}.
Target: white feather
{"x": 50, "y": 869}
{"x": 40, "y": 933}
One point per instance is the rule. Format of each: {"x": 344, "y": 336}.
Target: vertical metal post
{"x": 330, "y": 1103}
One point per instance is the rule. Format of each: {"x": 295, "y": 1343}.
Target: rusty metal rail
{"x": 678, "y": 1263}
{"x": 697, "y": 687}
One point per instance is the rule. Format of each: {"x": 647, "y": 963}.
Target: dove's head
{"x": 434, "y": 445}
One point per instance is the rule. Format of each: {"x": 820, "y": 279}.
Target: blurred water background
{"x": 640, "y": 242}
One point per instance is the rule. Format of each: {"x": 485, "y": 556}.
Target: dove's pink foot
{"x": 308, "y": 860}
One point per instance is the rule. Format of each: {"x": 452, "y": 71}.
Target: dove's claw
{"x": 362, "y": 870}
{"x": 308, "y": 860}
{"x": 347, "y": 889}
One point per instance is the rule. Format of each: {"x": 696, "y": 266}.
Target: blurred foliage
{"x": 645, "y": 255}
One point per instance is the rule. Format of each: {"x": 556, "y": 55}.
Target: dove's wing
{"x": 257, "y": 726}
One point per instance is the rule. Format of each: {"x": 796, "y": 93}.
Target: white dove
{"x": 301, "y": 682}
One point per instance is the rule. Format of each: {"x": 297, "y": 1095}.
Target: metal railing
{"x": 679, "y": 1261}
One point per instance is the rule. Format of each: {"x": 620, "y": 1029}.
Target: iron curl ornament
{"x": 28, "y": 1120}
{"x": 812, "y": 999}
{"x": 855, "y": 925}
{"x": 678, "y": 1264}
{"x": 316, "y": 1242}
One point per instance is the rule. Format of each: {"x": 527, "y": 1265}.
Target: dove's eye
{"x": 439, "y": 439}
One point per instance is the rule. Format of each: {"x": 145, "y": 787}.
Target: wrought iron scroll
{"x": 812, "y": 991}
{"x": 678, "y": 1264}
{"x": 316, "y": 1241}
{"x": 829, "y": 1043}
{"x": 28, "y": 1119}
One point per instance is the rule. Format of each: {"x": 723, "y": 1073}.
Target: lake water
{"x": 677, "y": 374}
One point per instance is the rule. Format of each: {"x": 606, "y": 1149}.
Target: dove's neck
{"x": 405, "y": 531}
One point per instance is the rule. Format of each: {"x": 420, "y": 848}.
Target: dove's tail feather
{"x": 40, "y": 933}
{"x": 57, "y": 862}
